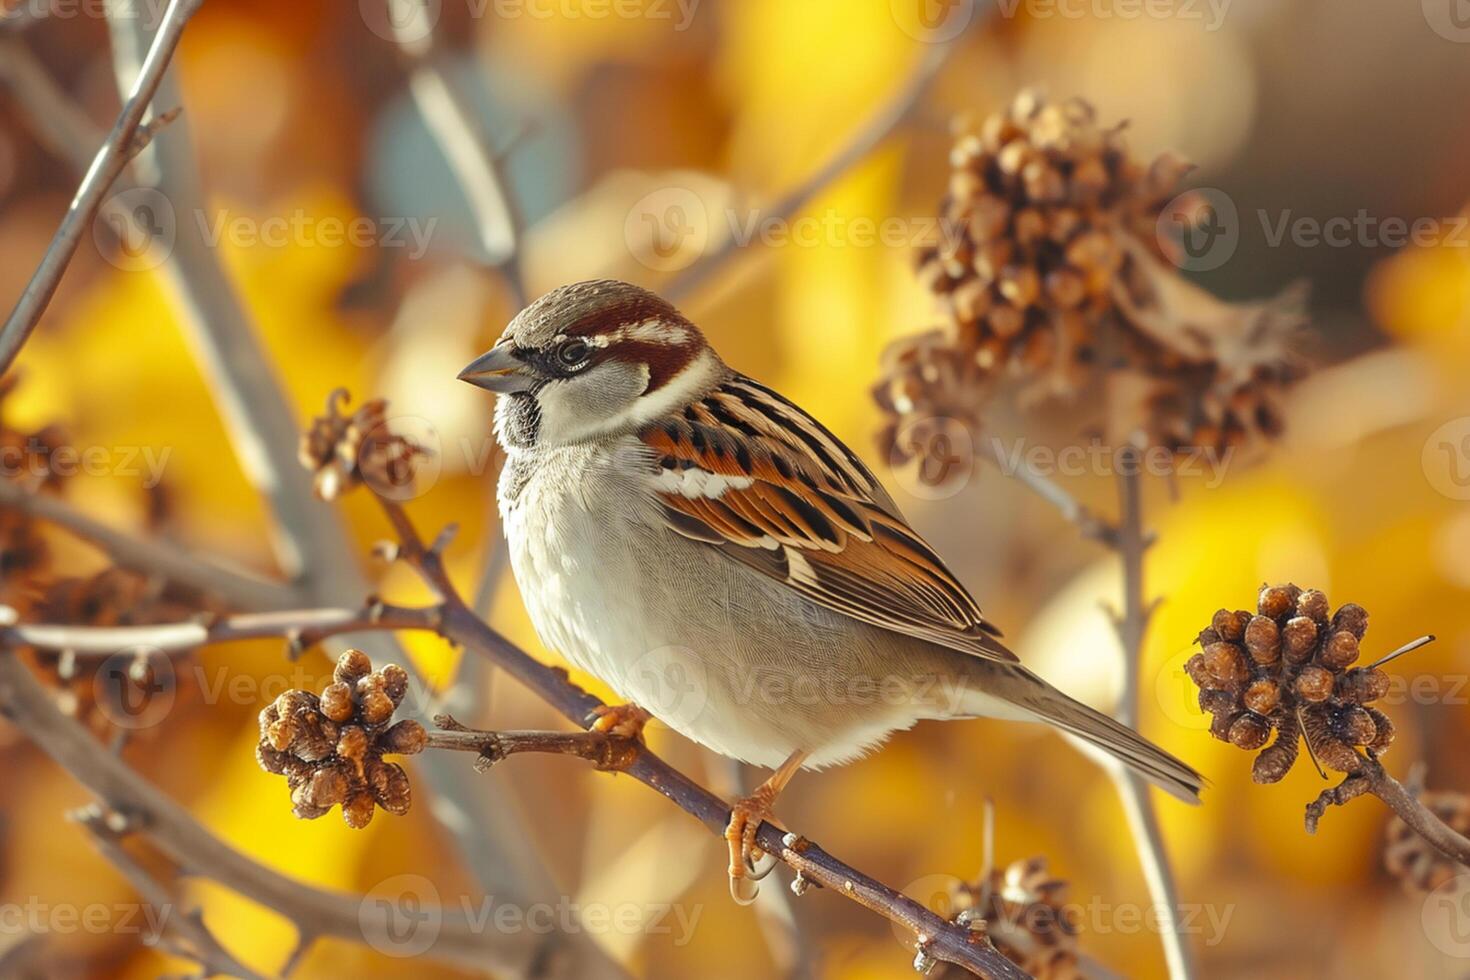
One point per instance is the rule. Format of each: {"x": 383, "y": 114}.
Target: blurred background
{"x": 635, "y": 138}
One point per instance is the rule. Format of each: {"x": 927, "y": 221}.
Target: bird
{"x": 721, "y": 560}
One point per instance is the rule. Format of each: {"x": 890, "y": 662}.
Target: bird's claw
{"x": 626, "y": 720}
{"x": 746, "y": 817}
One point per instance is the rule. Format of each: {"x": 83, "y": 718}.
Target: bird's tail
{"x": 1011, "y": 691}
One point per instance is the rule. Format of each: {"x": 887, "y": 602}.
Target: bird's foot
{"x": 745, "y": 820}
{"x": 626, "y": 720}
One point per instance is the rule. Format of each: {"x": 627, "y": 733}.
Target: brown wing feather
{"x": 747, "y": 471}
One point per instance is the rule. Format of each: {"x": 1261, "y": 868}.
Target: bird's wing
{"x": 746, "y": 471}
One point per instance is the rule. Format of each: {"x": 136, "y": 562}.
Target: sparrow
{"x": 723, "y": 561}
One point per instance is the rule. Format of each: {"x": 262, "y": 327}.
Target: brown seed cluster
{"x": 1050, "y": 268}
{"x": 1289, "y": 669}
{"x": 344, "y": 451}
{"x": 27, "y": 462}
{"x": 1024, "y": 912}
{"x": 1418, "y": 865}
{"x": 330, "y": 748}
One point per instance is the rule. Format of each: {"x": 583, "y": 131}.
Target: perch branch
{"x": 1375, "y": 780}
{"x": 125, "y": 140}
{"x": 456, "y": 622}
{"x": 867, "y": 139}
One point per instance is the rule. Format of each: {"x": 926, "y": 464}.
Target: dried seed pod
{"x": 1340, "y": 649}
{"x": 1351, "y": 617}
{"x": 337, "y": 702}
{"x": 1263, "y": 639}
{"x": 331, "y": 749}
{"x": 1275, "y": 600}
{"x": 1355, "y": 726}
{"x": 1230, "y": 625}
{"x": 1362, "y": 684}
{"x": 1263, "y": 696}
{"x": 351, "y": 667}
{"x": 1249, "y": 731}
{"x": 1383, "y": 731}
{"x": 1314, "y": 684}
{"x": 1312, "y": 603}
{"x": 1299, "y": 638}
{"x": 1418, "y": 865}
{"x": 1226, "y": 663}
{"x": 1276, "y": 760}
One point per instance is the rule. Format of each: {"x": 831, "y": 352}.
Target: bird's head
{"x": 590, "y": 360}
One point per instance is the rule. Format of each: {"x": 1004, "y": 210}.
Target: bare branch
{"x": 240, "y": 589}
{"x": 1375, "y": 779}
{"x": 883, "y": 124}
{"x": 1088, "y": 524}
{"x": 455, "y": 125}
{"x": 180, "y": 837}
{"x": 198, "y": 942}
{"x": 111, "y": 158}
{"x": 455, "y": 621}
{"x": 1131, "y": 542}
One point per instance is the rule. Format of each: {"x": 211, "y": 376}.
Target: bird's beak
{"x": 498, "y": 370}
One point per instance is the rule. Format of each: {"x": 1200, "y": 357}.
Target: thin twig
{"x": 1374, "y": 779}
{"x": 1088, "y": 524}
{"x": 455, "y": 125}
{"x": 883, "y": 124}
{"x": 1131, "y": 543}
{"x": 198, "y": 942}
{"x": 171, "y": 828}
{"x": 119, "y": 147}
{"x": 238, "y": 588}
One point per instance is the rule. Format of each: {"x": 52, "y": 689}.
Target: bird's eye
{"x": 572, "y": 353}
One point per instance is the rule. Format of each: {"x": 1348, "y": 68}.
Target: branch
{"x": 1374, "y": 779}
{"x": 456, "y": 622}
{"x": 455, "y": 126}
{"x": 176, "y": 834}
{"x": 119, "y": 147}
{"x": 1131, "y": 542}
{"x": 1088, "y": 524}
{"x": 867, "y": 139}
{"x": 240, "y": 589}
{"x": 199, "y": 944}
